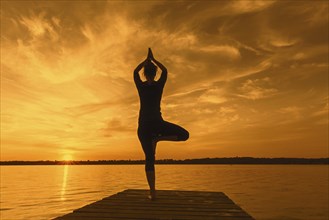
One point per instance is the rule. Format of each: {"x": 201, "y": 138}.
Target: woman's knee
{"x": 183, "y": 136}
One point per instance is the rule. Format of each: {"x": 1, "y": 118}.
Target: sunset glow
{"x": 67, "y": 157}
{"x": 246, "y": 78}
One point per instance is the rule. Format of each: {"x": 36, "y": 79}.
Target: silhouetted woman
{"x": 151, "y": 127}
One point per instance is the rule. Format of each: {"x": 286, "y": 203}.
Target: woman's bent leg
{"x": 172, "y": 132}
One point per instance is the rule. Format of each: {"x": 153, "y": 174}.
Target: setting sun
{"x": 67, "y": 157}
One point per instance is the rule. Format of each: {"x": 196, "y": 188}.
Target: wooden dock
{"x": 133, "y": 204}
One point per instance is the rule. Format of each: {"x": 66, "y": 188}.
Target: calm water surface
{"x": 264, "y": 191}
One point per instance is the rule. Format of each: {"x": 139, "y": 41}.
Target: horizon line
{"x": 200, "y": 158}
{"x": 223, "y": 160}
{"x": 165, "y": 159}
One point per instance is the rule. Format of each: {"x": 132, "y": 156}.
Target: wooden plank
{"x": 170, "y": 201}
{"x": 170, "y": 192}
{"x": 175, "y": 213}
{"x": 99, "y": 216}
{"x": 143, "y": 191}
{"x": 219, "y": 199}
{"x": 74, "y": 216}
{"x": 170, "y": 204}
{"x": 172, "y": 207}
{"x": 230, "y": 207}
{"x": 176, "y": 196}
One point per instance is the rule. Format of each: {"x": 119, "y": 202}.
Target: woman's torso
{"x": 150, "y": 101}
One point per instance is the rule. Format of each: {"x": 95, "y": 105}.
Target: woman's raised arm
{"x": 137, "y": 78}
{"x": 164, "y": 73}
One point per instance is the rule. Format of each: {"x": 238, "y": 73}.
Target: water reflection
{"x": 27, "y": 191}
{"x": 63, "y": 190}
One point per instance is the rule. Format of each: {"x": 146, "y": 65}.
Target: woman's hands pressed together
{"x": 150, "y": 55}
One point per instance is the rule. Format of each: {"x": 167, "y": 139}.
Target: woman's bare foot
{"x": 152, "y": 195}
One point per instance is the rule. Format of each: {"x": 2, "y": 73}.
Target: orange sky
{"x": 246, "y": 78}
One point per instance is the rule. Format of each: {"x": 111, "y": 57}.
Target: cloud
{"x": 291, "y": 111}
{"x": 249, "y": 6}
{"x": 38, "y": 26}
{"x": 321, "y": 112}
{"x": 214, "y": 96}
{"x": 254, "y": 89}
{"x": 227, "y": 110}
{"x": 117, "y": 126}
{"x": 230, "y": 51}
{"x": 279, "y": 42}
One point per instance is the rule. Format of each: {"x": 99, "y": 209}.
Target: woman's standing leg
{"x": 147, "y": 145}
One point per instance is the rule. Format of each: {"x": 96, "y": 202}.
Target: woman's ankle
{"x": 152, "y": 194}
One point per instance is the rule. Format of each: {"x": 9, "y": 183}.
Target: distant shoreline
{"x": 225, "y": 160}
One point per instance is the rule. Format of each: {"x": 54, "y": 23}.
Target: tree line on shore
{"x": 225, "y": 160}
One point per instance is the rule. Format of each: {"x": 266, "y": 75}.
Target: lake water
{"x": 275, "y": 192}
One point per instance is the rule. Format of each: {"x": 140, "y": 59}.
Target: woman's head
{"x": 150, "y": 70}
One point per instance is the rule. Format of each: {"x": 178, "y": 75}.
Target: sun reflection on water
{"x": 63, "y": 190}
